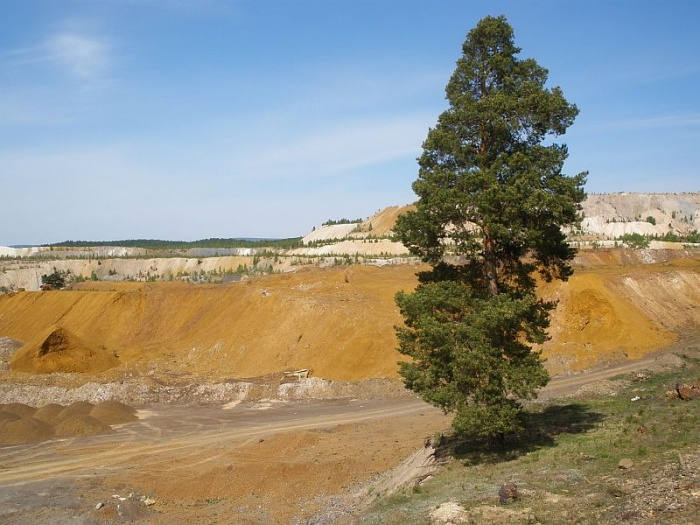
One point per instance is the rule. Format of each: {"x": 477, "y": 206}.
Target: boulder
{"x": 507, "y": 492}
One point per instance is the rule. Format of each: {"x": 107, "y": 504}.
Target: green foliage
{"x": 156, "y": 244}
{"x": 332, "y": 222}
{"x": 635, "y": 241}
{"x": 651, "y": 220}
{"x": 468, "y": 356}
{"x": 491, "y": 194}
{"x": 57, "y": 279}
{"x": 693, "y": 236}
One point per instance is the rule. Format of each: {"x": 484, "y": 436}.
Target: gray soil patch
{"x": 8, "y": 346}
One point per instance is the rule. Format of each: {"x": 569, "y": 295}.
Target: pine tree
{"x": 492, "y": 204}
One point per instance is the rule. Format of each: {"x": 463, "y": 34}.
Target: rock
{"x": 149, "y": 501}
{"x": 507, "y": 492}
{"x": 448, "y": 513}
{"x": 99, "y": 506}
{"x": 686, "y": 392}
{"x": 625, "y": 463}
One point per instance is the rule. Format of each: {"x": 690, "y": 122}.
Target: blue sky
{"x": 187, "y": 119}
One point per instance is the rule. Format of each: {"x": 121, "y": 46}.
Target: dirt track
{"x": 285, "y": 458}
{"x": 180, "y": 429}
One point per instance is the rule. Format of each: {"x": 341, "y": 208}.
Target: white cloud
{"x": 85, "y": 57}
{"x": 337, "y": 149}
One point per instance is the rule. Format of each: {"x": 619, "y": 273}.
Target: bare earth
{"x": 258, "y": 462}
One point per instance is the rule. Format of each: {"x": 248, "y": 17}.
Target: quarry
{"x": 237, "y": 379}
{"x": 349, "y": 263}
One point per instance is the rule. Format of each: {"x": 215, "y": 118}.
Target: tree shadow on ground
{"x": 540, "y": 430}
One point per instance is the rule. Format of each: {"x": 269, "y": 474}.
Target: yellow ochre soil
{"x": 57, "y": 349}
{"x": 336, "y": 321}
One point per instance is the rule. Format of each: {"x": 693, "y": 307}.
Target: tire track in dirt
{"x": 24, "y": 464}
{"x": 22, "y": 469}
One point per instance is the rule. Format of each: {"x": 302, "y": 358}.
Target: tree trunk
{"x": 490, "y": 264}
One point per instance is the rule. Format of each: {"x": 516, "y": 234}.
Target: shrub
{"x": 635, "y": 241}
{"x": 55, "y": 280}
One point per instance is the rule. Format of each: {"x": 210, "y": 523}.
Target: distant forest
{"x": 157, "y": 244}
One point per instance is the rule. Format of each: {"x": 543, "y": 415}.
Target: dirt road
{"x": 173, "y": 429}
{"x": 282, "y": 459}
{"x": 180, "y": 429}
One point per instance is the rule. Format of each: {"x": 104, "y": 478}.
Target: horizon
{"x": 195, "y": 120}
{"x": 73, "y": 242}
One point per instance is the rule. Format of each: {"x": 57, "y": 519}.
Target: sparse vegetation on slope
{"x": 566, "y": 464}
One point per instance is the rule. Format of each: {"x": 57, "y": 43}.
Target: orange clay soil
{"x": 339, "y": 321}
{"x": 383, "y": 221}
{"x": 57, "y": 349}
{"x": 275, "y": 479}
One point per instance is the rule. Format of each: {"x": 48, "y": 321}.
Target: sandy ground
{"x": 255, "y": 462}
{"x": 250, "y": 464}
{"x": 339, "y": 321}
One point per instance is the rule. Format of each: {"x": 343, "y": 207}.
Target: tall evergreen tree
{"x": 492, "y": 202}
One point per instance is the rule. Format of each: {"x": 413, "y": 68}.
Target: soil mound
{"x": 48, "y": 413}
{"x": 18, "y": 409}
{"x": 113, "y": 413}
{"x": 80, "y": 425}
{"x": 59, "y": 350}
{"x": 79, "y": 408}
{"x": 24, "y": 430}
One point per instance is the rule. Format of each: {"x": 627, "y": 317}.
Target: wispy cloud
{"x": 338, "y": 148}
{"x": 85, "y": 57}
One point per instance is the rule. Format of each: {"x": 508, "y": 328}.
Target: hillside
{"x": 606, "y": 216}
{"x": 339, "y": 321}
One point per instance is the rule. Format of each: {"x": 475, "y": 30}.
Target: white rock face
{"x": 325, "y": 233}
{"x": 611, "y": 215}
{"x": 7, "y": 251}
